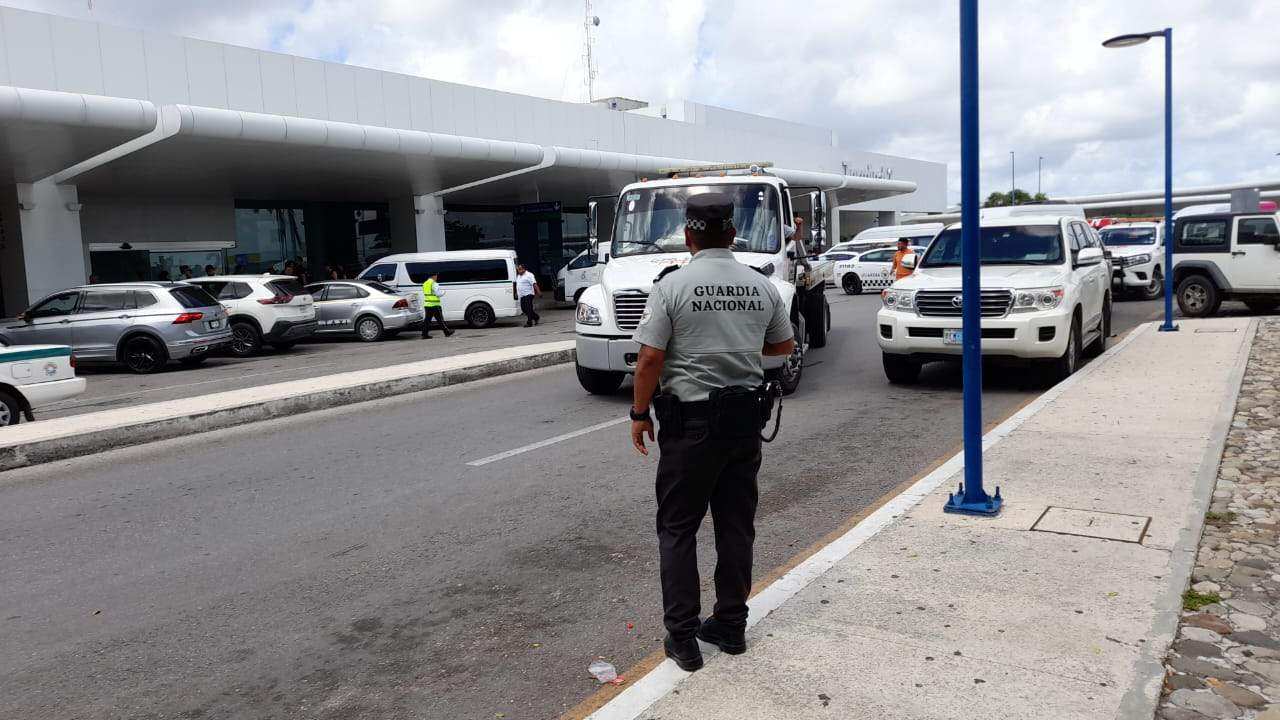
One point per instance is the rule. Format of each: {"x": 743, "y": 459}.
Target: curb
{"x": 76, "y": 444}
{"x": 1142, "y": 699}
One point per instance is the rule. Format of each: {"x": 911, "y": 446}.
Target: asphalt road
{"x": 112, "y": 387}
{"x": 351, "y": 563}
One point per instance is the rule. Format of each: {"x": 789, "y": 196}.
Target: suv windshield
{"x": 651, "y": 220}
{"x": 1012, "y": 245}
{"x": 1128, "y": 236}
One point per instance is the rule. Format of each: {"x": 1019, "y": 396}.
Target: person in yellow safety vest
{"x": 431, "y": 293}
{"x": 899, "y": 271}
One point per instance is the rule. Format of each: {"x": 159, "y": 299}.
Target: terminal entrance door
{"x": 539, "y": 239}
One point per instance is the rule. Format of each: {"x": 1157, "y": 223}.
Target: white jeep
{"x": 1220, "y": 255}
{"x": 1045, "y": 293}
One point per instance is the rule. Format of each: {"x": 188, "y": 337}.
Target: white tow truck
{"x": 648, "y": 236}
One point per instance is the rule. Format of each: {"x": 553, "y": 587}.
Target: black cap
{"x": 709, "y": 211}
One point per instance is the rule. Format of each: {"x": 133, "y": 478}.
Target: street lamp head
{"x": 1131, "y": 39}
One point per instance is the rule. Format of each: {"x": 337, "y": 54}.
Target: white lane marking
{"x": 643, "y": 693}
{"x": 548, "y": 441}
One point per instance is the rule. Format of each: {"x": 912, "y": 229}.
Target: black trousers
{"x": 697, "y": 471}
{"x": 434, "y": 313}
{"x": 526, "y": 307}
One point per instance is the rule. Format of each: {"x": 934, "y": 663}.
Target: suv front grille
{"x": 939, "y": 303}
{"x": 627, "y": 309}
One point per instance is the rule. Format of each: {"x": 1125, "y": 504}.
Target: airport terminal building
{"x": 127, "y": 154}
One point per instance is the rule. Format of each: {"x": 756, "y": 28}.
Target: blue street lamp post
{"x": 1129, "y": 40}
{"x": 972, "y": 498}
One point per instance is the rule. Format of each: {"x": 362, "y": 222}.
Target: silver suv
{"x": 141, "y": 325}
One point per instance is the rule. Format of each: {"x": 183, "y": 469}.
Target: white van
{"x": 479, "y": 285}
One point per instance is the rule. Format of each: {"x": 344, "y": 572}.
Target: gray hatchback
{"x": 140, "y": 325}
{"x": 369, "y": 309}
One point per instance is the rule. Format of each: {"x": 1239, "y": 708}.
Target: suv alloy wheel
{"x": 1197, "y": 296}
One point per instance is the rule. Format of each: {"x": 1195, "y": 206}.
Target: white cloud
{"x": 882, "y": 74}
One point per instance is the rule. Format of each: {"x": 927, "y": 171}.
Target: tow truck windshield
{"x": 1012, "y": 245}
{"x": 651, "y": 220}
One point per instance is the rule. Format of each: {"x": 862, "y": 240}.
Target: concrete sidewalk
{"x": 61, "y": 438}
{"x": 1064, "y": 606}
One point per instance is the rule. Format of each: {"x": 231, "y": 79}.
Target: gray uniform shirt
{"x": 712, "y": 317}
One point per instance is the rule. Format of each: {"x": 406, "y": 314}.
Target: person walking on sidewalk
{"x": 526, "y": 290}
{"x": 703, "y": 335}
{"x": 431, "y": 294}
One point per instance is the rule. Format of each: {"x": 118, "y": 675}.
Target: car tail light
{"x": 277, "y": 300}
{"x": 72, "y": 359}
{"x": 185, "y": 318}
{"x": 401, "y": 304}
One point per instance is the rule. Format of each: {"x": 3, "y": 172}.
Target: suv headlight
{"x": 1038, "y": 298}
{"x": 588, "y": 314}
{"x": 1136, "y": 260}
{"x": 903, "y": 300}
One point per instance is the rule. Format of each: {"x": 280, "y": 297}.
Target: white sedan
{"x": 35, "y": 375}
{"x": 871, "y": 270}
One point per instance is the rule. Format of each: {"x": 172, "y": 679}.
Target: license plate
{"x": 952, "y": 337}
{"x": 215, "y": 324}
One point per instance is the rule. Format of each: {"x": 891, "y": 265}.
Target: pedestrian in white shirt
{"x": 526, "y": 290}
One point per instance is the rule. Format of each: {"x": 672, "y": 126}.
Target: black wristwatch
{"x": 637, "y": 417}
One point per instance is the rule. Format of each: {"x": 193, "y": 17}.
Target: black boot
{"x": 731, "y": 640}
{"x": 686, "y": 653}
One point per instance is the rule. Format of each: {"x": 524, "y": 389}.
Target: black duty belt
{"x": 734, "y": 413}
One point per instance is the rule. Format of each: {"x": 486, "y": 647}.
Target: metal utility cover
{"x": 1093, "y": 523}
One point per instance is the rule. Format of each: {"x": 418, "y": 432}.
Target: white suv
{"x": 270, "y": 309}
{"x": 1137, "y": 257}
{"x": 1046, "y": 294}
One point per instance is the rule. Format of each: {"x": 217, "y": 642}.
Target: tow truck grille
{"x": 627, "y": 309}
{"x": 944, "y": 303}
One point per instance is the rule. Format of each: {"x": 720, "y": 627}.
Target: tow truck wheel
{"x": 818, "y": 320}
{"x": 788, "y": 376}
{"x": 900, "y": 369}
{"x": 599, "y": 382}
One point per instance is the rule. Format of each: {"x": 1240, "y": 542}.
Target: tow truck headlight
{"x": 588, "y": 314}
{"x": 1038, "y": 298}
{"x": 899, "y": 299}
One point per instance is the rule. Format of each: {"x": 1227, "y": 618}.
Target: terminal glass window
{"x": 1012, "y": 245}
{"x": 651, "y": 220}
{"x": 266, "y": 238}
{"x": 479, "y": 230}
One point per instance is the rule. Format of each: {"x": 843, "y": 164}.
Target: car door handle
{"x": 124, "y": 317}
{"x": 1239, "y": 252}
{"x": 64, "y": 322}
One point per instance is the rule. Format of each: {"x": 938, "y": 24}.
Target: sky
{"x": 882, "y": 73}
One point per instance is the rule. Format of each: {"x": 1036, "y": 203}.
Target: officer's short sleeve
{"x": 780, "y": 324}
{"x": 654, "y": 329}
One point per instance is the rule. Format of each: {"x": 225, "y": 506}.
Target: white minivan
{"x": 479, "y": 285}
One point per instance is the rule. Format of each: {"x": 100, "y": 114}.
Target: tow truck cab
{"x": 648, "y": 236}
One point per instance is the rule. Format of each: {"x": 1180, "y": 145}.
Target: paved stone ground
{"x": 1226, "y": 660}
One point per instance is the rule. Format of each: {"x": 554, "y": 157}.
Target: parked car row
{"x": 145, "y": 326}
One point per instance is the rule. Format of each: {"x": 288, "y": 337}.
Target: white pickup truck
{"x": 35, "y": 375}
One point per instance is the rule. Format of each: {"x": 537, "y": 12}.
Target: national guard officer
{"x": 705, "y": 330}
